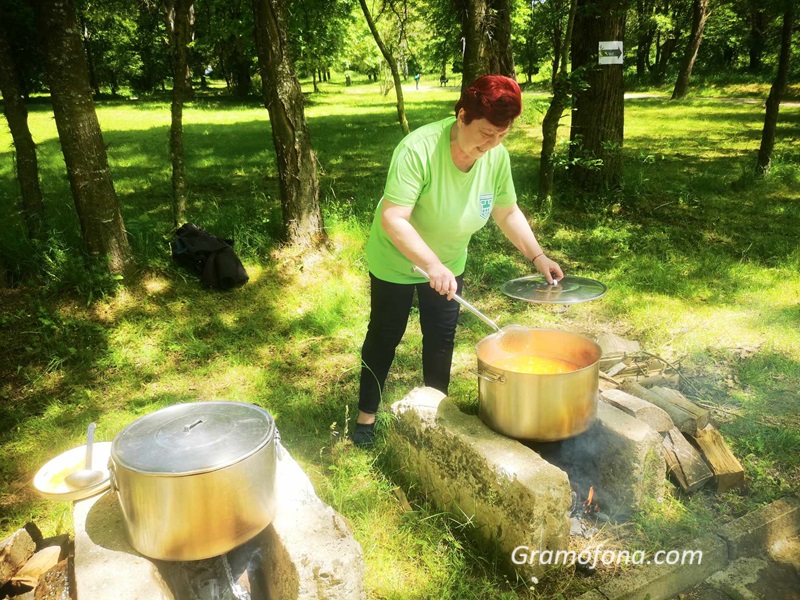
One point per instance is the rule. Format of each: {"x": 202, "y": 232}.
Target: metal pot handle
{"x": 112, "y": 480}
{"x": 495, "y": 377}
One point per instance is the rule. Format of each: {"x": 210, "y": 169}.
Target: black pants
{"x": 390, "y": 305}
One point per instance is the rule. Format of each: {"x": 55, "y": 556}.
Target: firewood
{"x": 685, "y": 462}
{"x": 687, "y": 416}
{"x": 643, "y": 410}
{"x": 38, "y": 564}
{"x": 728, "y": 471}
{"x": 660, "y": 379}
{"x": 614, "y": 348}
{"x": 15, "y": 552}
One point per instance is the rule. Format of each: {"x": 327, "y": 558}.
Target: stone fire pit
{"x": 307, "y": 552}
{"x": 517, "y": 494}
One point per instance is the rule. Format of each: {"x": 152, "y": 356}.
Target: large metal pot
{"x": 195, "y": 480}
{"x": 535, "y": 407}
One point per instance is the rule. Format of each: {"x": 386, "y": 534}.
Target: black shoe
{"x": 364, "y": 435}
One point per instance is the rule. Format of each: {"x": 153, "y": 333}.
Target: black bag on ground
{"x": 208, "y": 256}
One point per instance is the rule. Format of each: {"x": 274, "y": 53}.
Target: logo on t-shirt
{"x": 486, "y": 205}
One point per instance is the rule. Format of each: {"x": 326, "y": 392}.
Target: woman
{"x": 444, "y": 181}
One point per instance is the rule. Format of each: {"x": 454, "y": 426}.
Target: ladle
{"x": 465, "y": 304}
{"x": 87, "y": 476}
{"x": 511, "y": 337}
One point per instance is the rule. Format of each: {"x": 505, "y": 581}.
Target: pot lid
{"x": 192, "y": 438}
{"x": 569, "y": 290}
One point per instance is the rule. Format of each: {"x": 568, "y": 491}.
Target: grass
{"x": 701, "y": 261}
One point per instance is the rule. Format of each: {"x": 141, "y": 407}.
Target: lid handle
{"x": 188, "y": 428}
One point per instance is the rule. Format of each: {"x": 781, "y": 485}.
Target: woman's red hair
{"x": 495, "y": 98}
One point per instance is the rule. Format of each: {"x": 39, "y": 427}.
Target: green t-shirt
{"x": 449, "y": 205}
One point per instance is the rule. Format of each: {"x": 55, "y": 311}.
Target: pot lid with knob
{"x": 193, "y": 438}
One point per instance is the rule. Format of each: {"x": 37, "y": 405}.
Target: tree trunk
{"x": 598, "y": 113}
{"x": 179, "y": 28}
{"x": 241, "y": 68}
{"x": 776, "y": 94}
{"x": 87, "y": 44}
{"x": 401, "y": 110}
{"x": 81, "y": 139}
{"x": 667, "y": 49}
{"x": 699, "y": 16}
{"x": 487, "y": 36}
{"x": 557, "y": 45}
{"x": 644, "y": 40}
{"x": 24, "y": 146}
{"x": 757, "y": 41}
{"x": 4, "y": 278}
{"x": 555, "y": 111}
{"x": 297, "y": 163}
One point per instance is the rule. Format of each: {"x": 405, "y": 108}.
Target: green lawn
{"x": 701, "y": 260}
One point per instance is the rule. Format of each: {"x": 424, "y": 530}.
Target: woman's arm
{"x": 395, "y": 220}
{"x": 516, "y": 228}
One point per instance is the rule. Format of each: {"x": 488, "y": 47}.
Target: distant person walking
{"x": 416, "y": 79}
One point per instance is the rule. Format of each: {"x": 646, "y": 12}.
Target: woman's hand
{"x": 548, "y": 268}
{"x": 442, "y": 279}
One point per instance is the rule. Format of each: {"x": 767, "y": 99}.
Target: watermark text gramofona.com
{"x": 598, "y": 555}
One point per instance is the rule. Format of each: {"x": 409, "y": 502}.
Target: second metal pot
{"x": 535, "y": 407}
{"x": 195, "y": 480}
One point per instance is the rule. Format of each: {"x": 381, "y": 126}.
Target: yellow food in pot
{"x": 535, "y": 365}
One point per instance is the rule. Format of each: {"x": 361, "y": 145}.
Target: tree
{"x": 150, "y": 46}
{"x": 699, "y": 16}
{"x": 776, "y": 93}
{"x": 108, "y": 30}
{"x": 319, "y": 33}
{"x": 387, "y": 55}
{"x": 598, "y": 113}
{"x": 180, "y": 19}
{"x": 297, "y": 163}
{"x": 644, "y": 32}
{"x": 79, "y": 132}
{"x": 487, "y": 39}
{"x": 25, "y": 148}
{"x": 224, "y": 41}
{"x": 555, "y": 110}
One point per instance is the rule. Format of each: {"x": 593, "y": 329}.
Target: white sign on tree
{"x": 610, "y": 53}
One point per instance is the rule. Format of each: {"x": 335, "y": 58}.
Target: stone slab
{"x": 309, "y": 550}
{"x": 106, "y": 566}
{"x": 736, "y": 580}
{"x": 510, "y": 494}
{"x": 15, "y": 551}
{"x": 756, "y": 531}
{"x": 591, "y": 595}
{"x": 663, "y": 581}
{"x": 619, "y": 456}
{"x": 306, "y": 552}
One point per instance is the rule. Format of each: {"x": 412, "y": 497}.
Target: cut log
{"x": 685, "y": 462}
{"x": 15, "y": 552}
{"x": 637, "y": 368}
{"x": 617, "y": 368}
{"x": 728, "y": 471}
{"x": 665, "y": 379}
{"x": 643, "y": 410}
{"x": 41, "y": 562}
{"x": 614, "y": 348}
{"x": 687, "y": 416}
